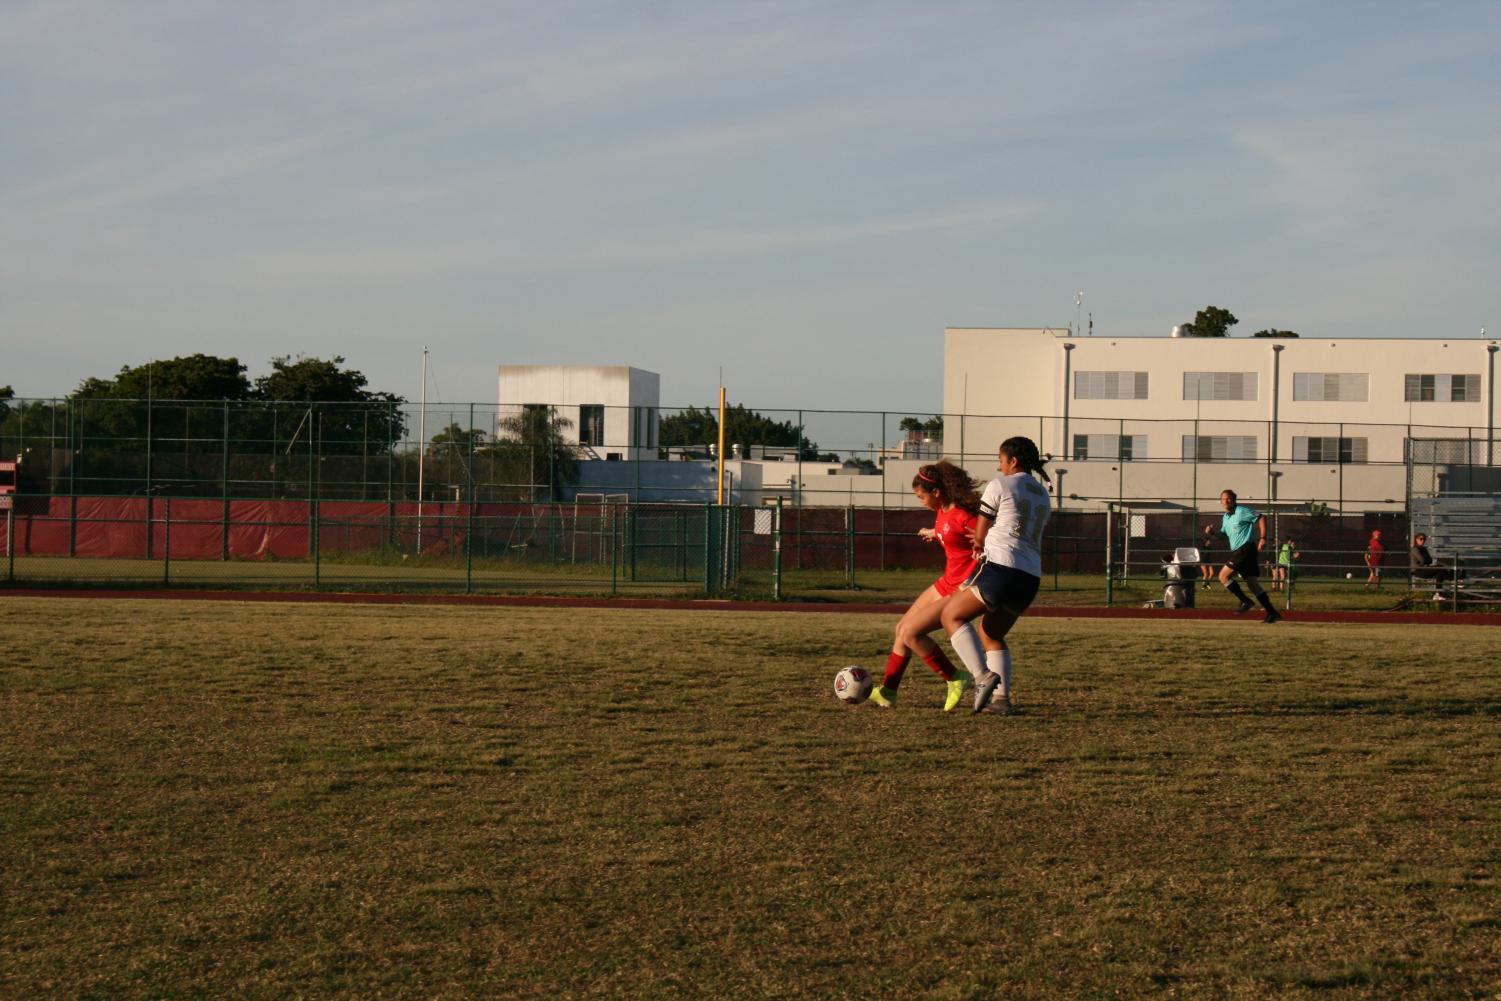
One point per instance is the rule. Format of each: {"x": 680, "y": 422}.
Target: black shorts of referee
{"x": 1244, "y": 561}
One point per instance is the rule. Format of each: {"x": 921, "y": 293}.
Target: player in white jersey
{"x": 1014, "y": 511}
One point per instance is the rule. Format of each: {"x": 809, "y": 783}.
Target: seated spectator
{"x": 1424, "y": 566}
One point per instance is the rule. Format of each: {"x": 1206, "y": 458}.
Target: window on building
{"x": 1442, "y": 451}
{"x": 1219, "y": 385}
{"x": 592, "y": 424}
{"x": 1330, "y": 451}
{"x": 1331, "y": 387}
{"x": 1441, "y": 388}
{"x": 1219, "y": 448}
{"x": 1110, "y": 385}
{"x": 1125, "y": 448}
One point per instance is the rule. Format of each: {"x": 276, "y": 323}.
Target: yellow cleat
{"x": 956, "y": 691}
{"x": 883, "y": 697}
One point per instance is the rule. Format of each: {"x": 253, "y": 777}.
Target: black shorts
{"x": 1003, "y": 588}
{"x": 1244, "y": 561}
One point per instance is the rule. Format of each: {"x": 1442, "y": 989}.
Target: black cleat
{"x": 1272, "y": 616}
{"x": 1245, "y": 606}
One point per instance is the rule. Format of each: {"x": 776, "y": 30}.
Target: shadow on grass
{"x": 1388, "y": 707}
{"x": 1434, "y": 708}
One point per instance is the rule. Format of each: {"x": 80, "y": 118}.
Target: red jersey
{"x": 955, "y": 528}
{"x": 1376, "y": 552}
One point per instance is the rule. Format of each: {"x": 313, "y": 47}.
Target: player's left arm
{"x": 1261, "y": 528}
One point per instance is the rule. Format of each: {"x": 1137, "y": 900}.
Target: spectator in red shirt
{"x": 1373, "y": 556}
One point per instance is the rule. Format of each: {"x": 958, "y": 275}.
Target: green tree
{"x": 158, "y": 425}
{"x": 695, "y": 428}
{"x": 304, "y": 379}
{"x": 1211, "y": 321}
{"x": 455, "y": 440}
{"x": 344, "y": 415}
{"x": 159, "y": 394}
{"x": 932, "y": 426}
{"x": 532, "y": 444}
{"x": 189, "y": 377}
{"x": 1275, "y": 333}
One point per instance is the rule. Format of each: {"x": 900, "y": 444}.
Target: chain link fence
{"x": 610, "y": 500}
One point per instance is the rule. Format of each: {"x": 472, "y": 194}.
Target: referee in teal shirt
{"x": 1245, "y": 533}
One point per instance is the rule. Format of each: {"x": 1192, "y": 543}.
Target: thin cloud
{"x": 123, "y": 183}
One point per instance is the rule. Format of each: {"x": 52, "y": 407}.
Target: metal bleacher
{"x": 1464, "y": 531}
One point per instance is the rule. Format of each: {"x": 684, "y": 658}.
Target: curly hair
{"x": 951, "y": 483}
{"x": 1024, "y": 451}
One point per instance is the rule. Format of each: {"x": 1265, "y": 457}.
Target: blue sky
{"x": 804, "y": 194}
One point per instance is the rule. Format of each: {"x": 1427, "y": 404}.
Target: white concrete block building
{"x": 1274, "y": 418}
{"x": 613, "y": 410}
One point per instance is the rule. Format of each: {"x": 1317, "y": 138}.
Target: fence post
{"x": 881, "y": 444}
{"x": 10, "y": 544}
{"x": 1056, "y": 520}
{"x": 730, "y": 532}
{"x": 469, "y": 545}
{"x": 630, "y": 534}
{"x": 166, "y": 542}
{"x": 224, "y": 489}
{"x": 469, "y": 523}
{"x": 776, "y": 551}
{"x": 148, "y": 441}
{"x": 614, "y": 548}
{"x": 708, "y": 548}
{"x": 849, "y": 547}
{"x": 1109, "y": 554}
{"x": 313, "y": 505}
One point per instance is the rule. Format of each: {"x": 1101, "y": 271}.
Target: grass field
{"x": 211, "y": 800}
{"x": 502, "y": 577}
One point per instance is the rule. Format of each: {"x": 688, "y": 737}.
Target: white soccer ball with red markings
{"x": 852, "y": 685}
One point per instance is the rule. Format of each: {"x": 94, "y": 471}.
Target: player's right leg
{"x": 922, "y": 611}
{"x": 1227, "y": 578}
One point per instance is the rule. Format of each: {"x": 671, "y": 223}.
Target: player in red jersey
{"x": 947, "y": 490}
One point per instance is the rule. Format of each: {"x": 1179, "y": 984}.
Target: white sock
{"x": 966, "y": 643}
{"x": 998, "y": 662}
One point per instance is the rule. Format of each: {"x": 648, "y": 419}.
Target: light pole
{"x": 1078, "y": 306}
{"x": 1490, "y": 404}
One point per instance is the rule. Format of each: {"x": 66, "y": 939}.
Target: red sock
{"x": 896, "y": 665}
{"x": 940, "y": 662}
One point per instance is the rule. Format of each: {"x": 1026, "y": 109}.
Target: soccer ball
{"x": 852, "y": 685}
{"x": 1349, "y": 576}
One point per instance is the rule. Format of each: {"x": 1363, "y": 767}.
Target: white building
{"x": 612, "y": 411}
{"x": 1178, "y": 419}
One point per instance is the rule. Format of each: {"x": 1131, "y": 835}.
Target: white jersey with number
{"x": 1019, "y": 507}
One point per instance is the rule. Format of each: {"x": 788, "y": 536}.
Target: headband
{"x": 924, "y": 478}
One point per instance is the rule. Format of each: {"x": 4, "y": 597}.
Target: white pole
{"x": 421, "y": 449}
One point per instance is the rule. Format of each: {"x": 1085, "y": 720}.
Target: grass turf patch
{"x": 285, "y": 800}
